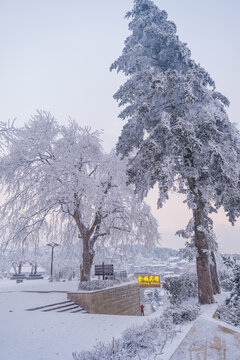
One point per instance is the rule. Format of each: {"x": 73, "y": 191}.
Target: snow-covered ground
{"x": 38, "y": 335}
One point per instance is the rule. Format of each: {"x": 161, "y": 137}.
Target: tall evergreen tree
{"x": 177, "y": 134}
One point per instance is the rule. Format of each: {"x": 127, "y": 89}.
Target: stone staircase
{"x": 65, "y": 306}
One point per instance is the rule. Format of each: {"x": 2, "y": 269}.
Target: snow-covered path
{"x": 49, "y": 336}
{"x": 209, "y": 339}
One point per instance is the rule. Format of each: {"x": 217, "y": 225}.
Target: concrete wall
{"x": 121, "y": 300}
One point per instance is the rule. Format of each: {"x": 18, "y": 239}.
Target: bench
{"x": 34, "y": 277}
{"x": 18, "y": 277}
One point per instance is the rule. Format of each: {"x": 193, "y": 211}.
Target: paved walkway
{"x": 209, "y": 339}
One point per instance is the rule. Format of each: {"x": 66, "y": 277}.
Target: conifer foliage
{"x": 177, "y": 134}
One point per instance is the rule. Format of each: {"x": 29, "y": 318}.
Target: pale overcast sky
{"x": 56, "y": 54}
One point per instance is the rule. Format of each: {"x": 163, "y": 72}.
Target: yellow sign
{"x": 149, "y": 281}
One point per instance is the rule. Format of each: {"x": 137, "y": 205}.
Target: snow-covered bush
{"x": 97, "y": 284}
{"x": 183, "y": 313}
{"x": 157, "y": 297}
{"x": 225, "y": 281}
{"x": 103, "y": 351}
{"x": 181, "y": 288}
{"x": 234, "y": 298}
{"x": 144, "y": 340}
{"x": 229, "y": 314}
{"x": 226, "y": 272}
{"x": 149, "y": 337}
{"x": 230, "y": 311}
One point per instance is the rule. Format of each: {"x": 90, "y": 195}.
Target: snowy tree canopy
{"x": 177, "y": 133}
{"x": 58, "y": 184}
{"x": 6, "y": 132}
{"x": 177, "y": 126}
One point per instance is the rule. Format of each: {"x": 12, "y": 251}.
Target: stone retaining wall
{"x": 121, "y": 300}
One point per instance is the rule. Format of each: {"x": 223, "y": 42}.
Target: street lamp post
{"x": 52, "y": 244}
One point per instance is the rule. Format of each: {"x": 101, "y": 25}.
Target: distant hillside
{"x": 158, "y": 253}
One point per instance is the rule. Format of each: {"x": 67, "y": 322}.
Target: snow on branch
{"x": 57, "y": 178}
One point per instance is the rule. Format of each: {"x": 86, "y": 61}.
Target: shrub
{"x": 184, "y": 313}
{"x": 181, "y": 288}
{"x": 230, "y": 311}
{"x": 144, "y": 340}
{"x": 227, "y": 265}
{"x": 226, "y": 282}
{"x": 97, "y": 284}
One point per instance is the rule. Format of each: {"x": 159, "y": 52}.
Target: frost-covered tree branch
{"x": 6, "y": 133}
{"x": 57, "y": 179}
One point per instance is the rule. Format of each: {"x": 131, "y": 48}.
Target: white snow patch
{"x": 35, "y": 335}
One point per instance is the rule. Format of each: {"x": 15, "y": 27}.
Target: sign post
{"x": 104, "y": 270}
{"x": 52, "y": 245}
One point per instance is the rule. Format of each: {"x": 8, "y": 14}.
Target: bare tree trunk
{"x": 214, "y": 275}
{"x": 88, "y": 252}
{"x": 205, "y": 290}
{"x": 20, "y": 268}
{"x": 87, "y": 260}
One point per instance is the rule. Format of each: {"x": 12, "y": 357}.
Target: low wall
{"x": 121, "y": 300}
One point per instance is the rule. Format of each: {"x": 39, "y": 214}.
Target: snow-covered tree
{"x": 59, "y": 185}
{"x": 177, "y": 134}
{"x": 6, "y": 132}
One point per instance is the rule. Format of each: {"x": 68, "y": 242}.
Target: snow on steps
{"x": 65, "y": 306}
